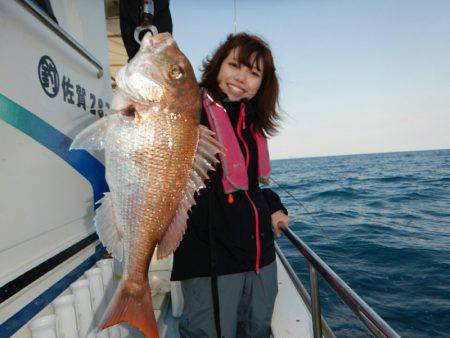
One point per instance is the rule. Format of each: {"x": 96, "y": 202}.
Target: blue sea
{"x": 382, "y": 223}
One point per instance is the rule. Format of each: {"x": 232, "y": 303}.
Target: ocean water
{"x": 382, "y": 223}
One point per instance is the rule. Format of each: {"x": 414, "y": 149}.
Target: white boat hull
{"x": 46, "y": 193}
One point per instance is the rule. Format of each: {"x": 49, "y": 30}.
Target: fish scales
{"x": 150, "y": 168}
{"x": 153, "y": 168}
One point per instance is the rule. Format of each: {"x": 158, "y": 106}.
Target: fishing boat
{"x": 57, "y": 67}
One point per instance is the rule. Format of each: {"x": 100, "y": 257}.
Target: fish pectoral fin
{"x": 205, "y": 158}
{"x": 108, "y": 230}
{"x": 92, "y": 137}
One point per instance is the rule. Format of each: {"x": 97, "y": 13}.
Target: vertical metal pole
{"x": 315, "y": 302}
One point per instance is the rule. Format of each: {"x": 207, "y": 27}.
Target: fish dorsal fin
{"x": 92, "y": 137}
{"x": 108, "y": 229}
{"x": 205, "y": 158}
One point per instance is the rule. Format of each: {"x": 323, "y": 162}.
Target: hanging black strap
{"x": 213, "y": 253}
{"x": 130, "y": 18}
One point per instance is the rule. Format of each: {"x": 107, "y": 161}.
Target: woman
{"x": 226, "y": 260}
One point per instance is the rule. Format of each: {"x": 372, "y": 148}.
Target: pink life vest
{"x": 234, "y": 168}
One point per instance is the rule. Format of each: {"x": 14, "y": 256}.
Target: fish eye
{"x": 175, "y": 72}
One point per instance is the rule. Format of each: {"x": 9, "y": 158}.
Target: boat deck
{"x": 291, "y": 316}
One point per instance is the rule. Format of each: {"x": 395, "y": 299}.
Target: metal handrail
{"x": 47, "y": 21}
{"x": 364, "y": 312}
{"x": 328, "y": 333}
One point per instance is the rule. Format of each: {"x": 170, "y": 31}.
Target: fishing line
{"x": 235, "y": 18}
{"x": 304, "y": 207}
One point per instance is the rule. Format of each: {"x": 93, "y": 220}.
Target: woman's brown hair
{"x": 266, "y": 99}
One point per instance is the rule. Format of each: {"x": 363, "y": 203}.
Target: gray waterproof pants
{"x": 246, "y": 305}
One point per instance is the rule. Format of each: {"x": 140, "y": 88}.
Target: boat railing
{"x": 377, "y": 326}
{"x": 66, "y": 37}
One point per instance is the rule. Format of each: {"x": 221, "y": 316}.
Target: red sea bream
{"x": 156, "y": 157}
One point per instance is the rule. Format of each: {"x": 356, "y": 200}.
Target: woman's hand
{"x": 279, "y": 220}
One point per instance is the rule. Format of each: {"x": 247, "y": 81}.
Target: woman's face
{"x": 237, "y": 80}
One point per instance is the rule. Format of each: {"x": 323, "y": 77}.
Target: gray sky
{"x": 356, "y": 76}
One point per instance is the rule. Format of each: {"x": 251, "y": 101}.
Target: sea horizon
{"x": 356, "y": 154}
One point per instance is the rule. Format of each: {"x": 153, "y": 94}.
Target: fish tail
{"x": 132, "y": 303}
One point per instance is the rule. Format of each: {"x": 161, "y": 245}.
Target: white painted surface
{"x": 44, "y": 327}
{"x": 83, "y": 307}
{"x": 28, "y": 294}
{"x": 106, "y": 267}
{"x": 109, "y": 285}
{"x": 66, "y": 321}
{"x": 45, "y": 205}
{"x": 98, "y": 301}
{"x": 32, "y": 40}
{"x": 85, "y": 21}
{"x": 291, "y": 317}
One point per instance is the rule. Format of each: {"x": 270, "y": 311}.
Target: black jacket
{"x": 232, "y": 224}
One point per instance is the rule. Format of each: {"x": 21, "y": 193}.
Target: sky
{"x": 355, "y": 76}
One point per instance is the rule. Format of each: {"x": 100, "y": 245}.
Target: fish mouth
{"x": 157, "y": 43}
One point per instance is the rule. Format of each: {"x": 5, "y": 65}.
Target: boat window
{"x": 46, "y": 7}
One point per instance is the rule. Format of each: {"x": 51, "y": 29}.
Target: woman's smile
{"x": 238, "y": 90}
